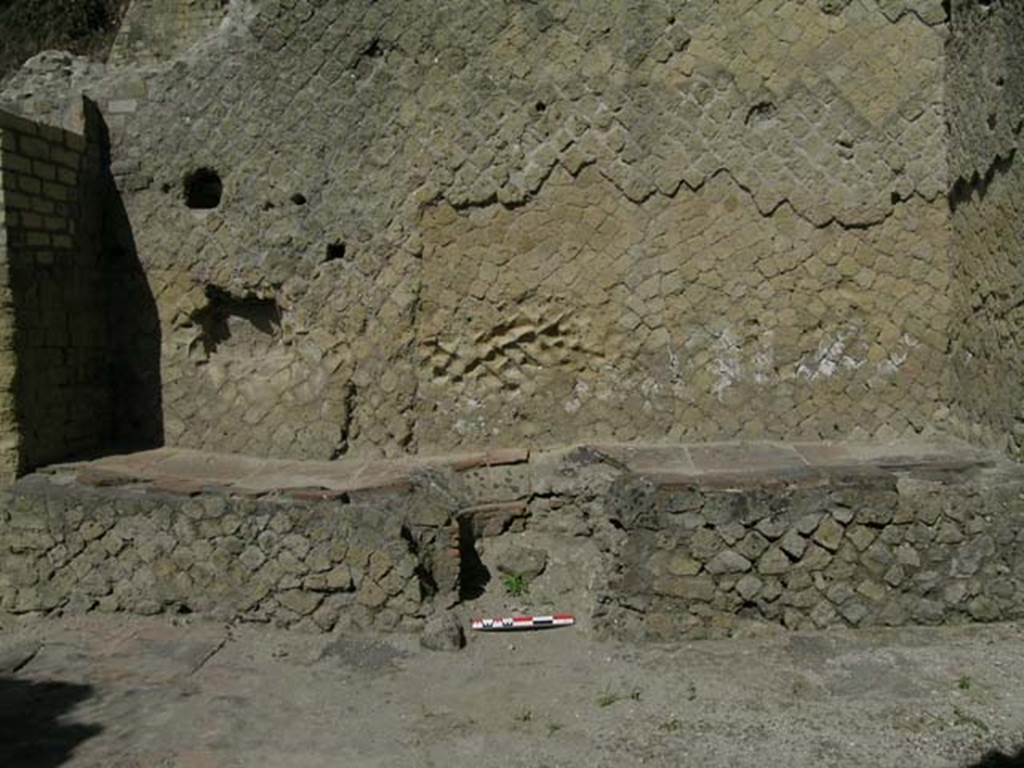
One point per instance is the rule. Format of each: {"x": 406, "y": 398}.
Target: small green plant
{"x": 523, "y": 716}
{"x": 964, "y": 683}
{"x": 962, "y": 717}
{"x": 516, "y": 585}
{"x": 554, "y": 728}
{"x": 609, "y": 696}
{"x": 671, "y": 726}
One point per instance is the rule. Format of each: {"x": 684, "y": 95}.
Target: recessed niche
{"x": 242, "y": 321}
{"x": 335, "y": 251}
{"x": 298, "y": 198}
{"x": 203, "y": 189}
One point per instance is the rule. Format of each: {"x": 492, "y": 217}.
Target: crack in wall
{"x": 765, "y": 212}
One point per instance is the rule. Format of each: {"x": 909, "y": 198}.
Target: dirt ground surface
{"x": 119, "y": 691}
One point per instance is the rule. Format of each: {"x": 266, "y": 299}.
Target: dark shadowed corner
{"x": 33, "y": 730}
{"x": 997, "y": 759}
{"x": 134, "y": 325}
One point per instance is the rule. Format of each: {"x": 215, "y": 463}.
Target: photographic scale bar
{"x": 507, "y": 623}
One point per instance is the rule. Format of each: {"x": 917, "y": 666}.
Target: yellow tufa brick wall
{"x": 9, "y": 442}
{"x": 55, "y": 386}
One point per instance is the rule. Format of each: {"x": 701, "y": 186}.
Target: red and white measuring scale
{"x": 523, "y": 622}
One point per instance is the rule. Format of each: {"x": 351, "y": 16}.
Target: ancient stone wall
{"x": 376, "y": 561}
{"x": 461, "y": 223}
{"x": 860, "y": 549}
{"x": 409, "y": 227}
{"x": 158, "y": 29}
{"x": 56, "y": 354}
{"x": 986, "y": 106}
{"x": 637, "y": 543}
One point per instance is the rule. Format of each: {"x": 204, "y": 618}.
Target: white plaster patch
{"x": 580, "y": 392}
{"x": 764, "y": 359}
{"x": 892, "y": 364}
{"x": 470, "y": 425}
{"x": 649, "y": 388}
{"x": 831, "y": 357}
{"x": 727, "y": 365}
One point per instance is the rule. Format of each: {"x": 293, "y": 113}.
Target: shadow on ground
{"x": 31, "y": 731}
{"x": 996, "y": 759}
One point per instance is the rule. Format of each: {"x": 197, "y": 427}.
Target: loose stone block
{"x": 861, "y": 536}
{"x": 808, "y": 523}
{"x": 338, "y": 579}
{"x": 871, "y": 590}
{"x": 908, "y": 556}
{"x": 793, "y": 544}
{"x": 728, "y": 561}
{"x": 683, "y": 565}
{"x": 949, "y": 533}
{"x": 705, "y": 544}
{"x": 752, "y": 545}
{"x": 854, "y": 612}
{"x": 697, "y": 588}
{"x": 749, "y": 586}
{"x": 773, "y": 562}
{"x": 772, "y": 528}
{"x": 829, "y": 534}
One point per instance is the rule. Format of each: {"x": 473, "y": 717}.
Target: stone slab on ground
{"x": 255, "y": 476}
{"x": 117, "y": 691}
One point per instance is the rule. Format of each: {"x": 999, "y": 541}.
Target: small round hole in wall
{"x": 335, "y": 251}
{"x": 540, "y": 106}
{"x": 298, "y": 198}
{"x": 203, "y": 189}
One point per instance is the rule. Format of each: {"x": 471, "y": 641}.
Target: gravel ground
{"x": 119, "y": 691}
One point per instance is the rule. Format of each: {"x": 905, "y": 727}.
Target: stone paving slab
{"x": 651, "y": 458}
{"x": 189, "y": 472}
{"x": 753, "y": 457}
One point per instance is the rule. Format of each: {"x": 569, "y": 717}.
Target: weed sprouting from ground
{"x": 516, "y": 585}
{"x": 610, "y": 696}
{"x": 671, "y": 726}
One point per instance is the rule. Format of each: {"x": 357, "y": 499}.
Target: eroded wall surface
{"x": 457, "y": 223}
{"x": 159, "y": 29}
{"x": 986, "y": 91}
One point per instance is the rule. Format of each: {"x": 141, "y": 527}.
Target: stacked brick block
{"x": 53, "y": 364}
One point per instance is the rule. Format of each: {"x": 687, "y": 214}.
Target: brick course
{"x": 56, "y": 398}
